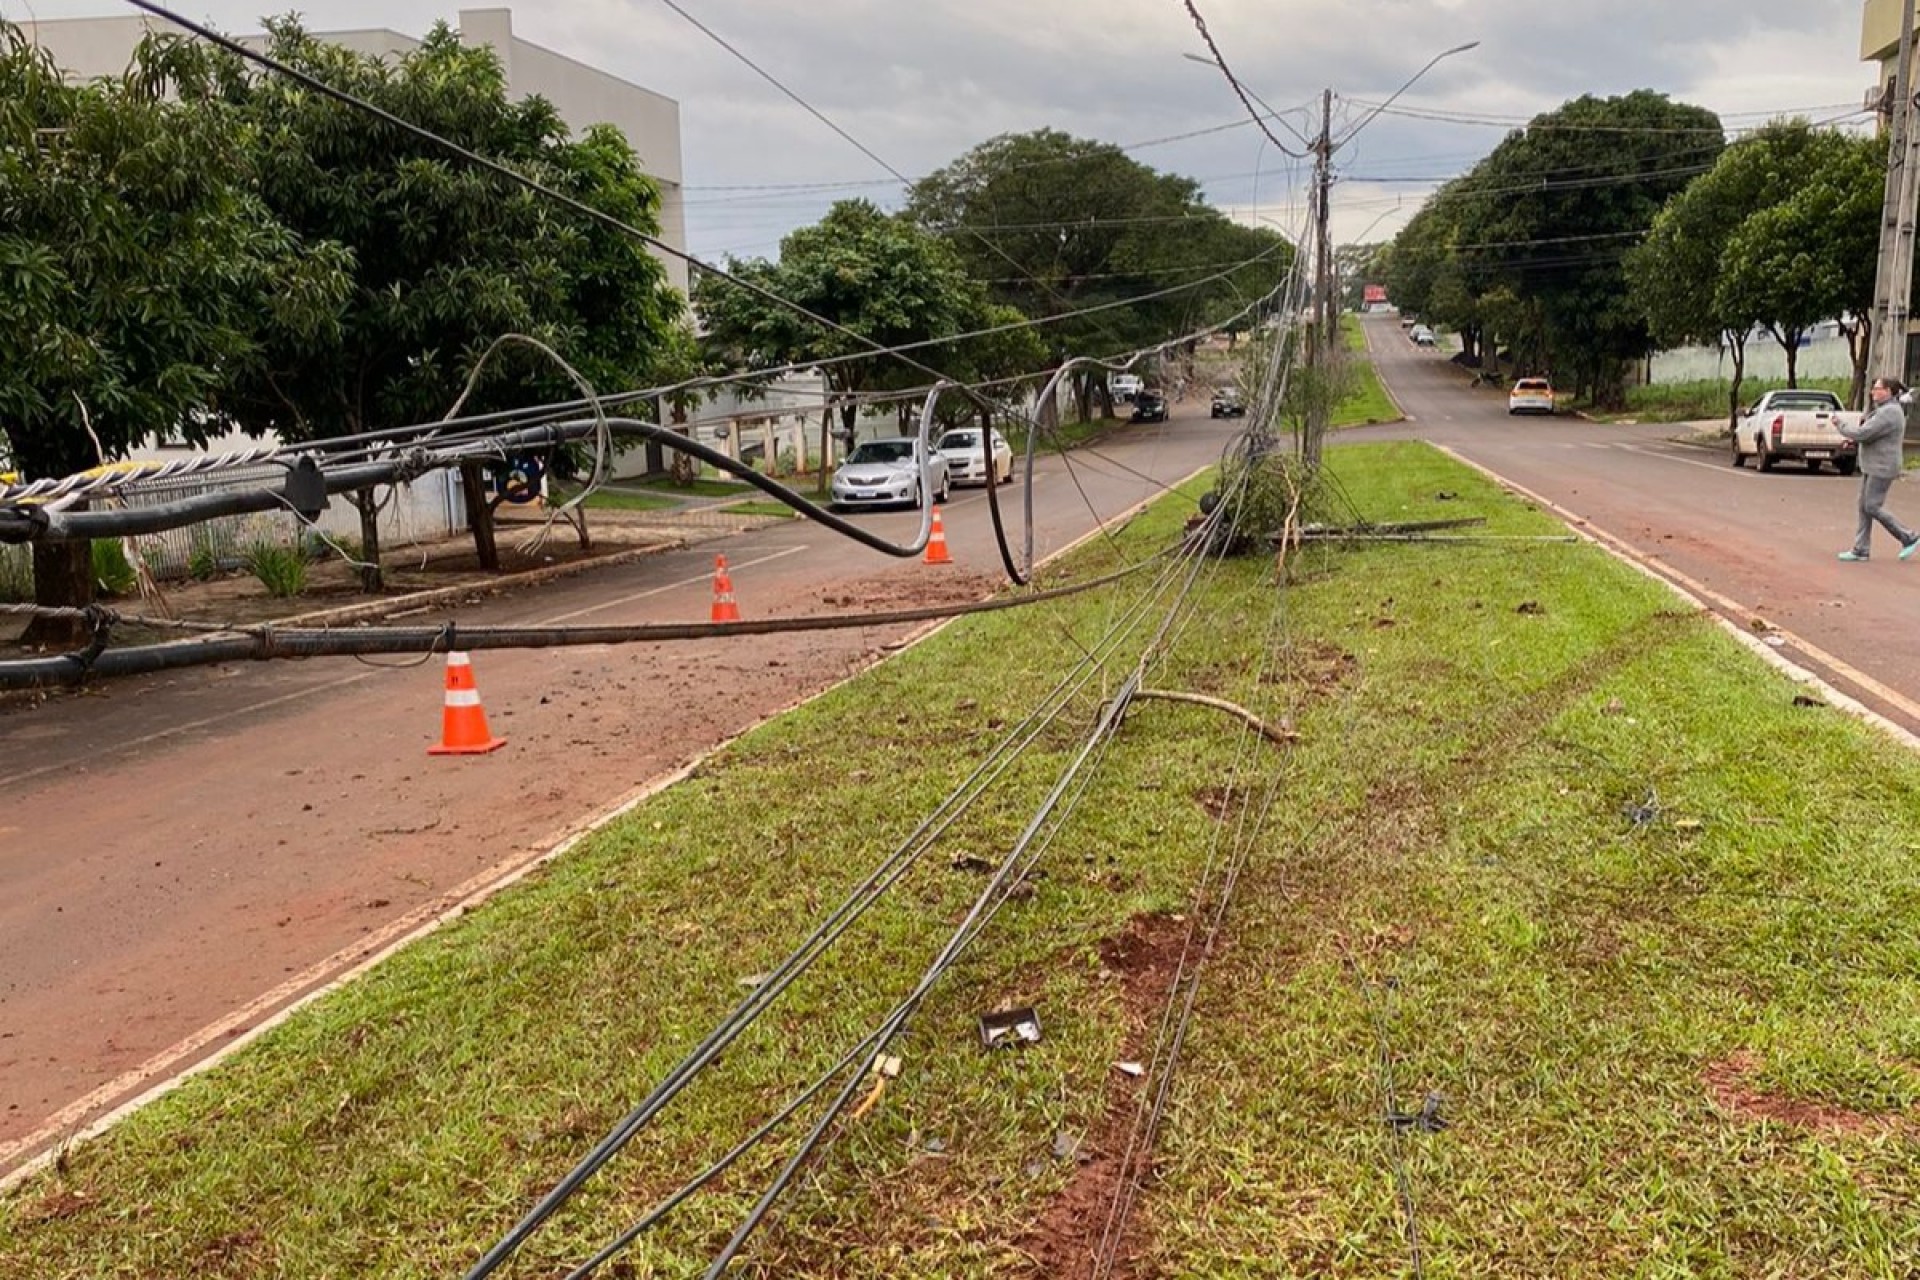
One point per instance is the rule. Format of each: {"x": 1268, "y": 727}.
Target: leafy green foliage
{"x": 1526, "y": 248}
{"x": 113, "y": 574}
{"x": 879, "y": 276}
{"x": 280, "y": 566}
{"x": 1058, "y": 223}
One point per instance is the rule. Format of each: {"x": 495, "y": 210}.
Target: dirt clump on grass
{"x": 1065, "y": 1241}
{"x": 1730, "y": 1083}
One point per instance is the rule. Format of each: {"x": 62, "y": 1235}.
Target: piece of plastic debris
{"x": 1065, "y": 1146}
{"x": 752, "y": 980}
{"x": 1130, "y": 1068}
{"x": 1426, "y": 1120}
{"x": 1009, "y": 1027}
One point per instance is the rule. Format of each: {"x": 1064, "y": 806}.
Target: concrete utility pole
{"x": 1320, "y": 345}
{"x": 1893, "y": 280}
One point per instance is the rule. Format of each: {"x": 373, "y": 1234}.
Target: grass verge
{"x": 1368, "y": 403}
{"x": 1697, "y": 401}
{"x": 1550, "y": 850}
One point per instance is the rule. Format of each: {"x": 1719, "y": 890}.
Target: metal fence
{"x": 220, "y": 543}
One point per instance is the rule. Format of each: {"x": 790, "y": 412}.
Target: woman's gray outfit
{"x": 1882, "y": 438}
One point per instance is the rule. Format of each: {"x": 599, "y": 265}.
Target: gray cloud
{"x": 921, "y": 82}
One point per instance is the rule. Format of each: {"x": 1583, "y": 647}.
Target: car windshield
{"x": 884, "y": 451}
{"x": 1226, "y": 393}
{"x": 960, "y": 440}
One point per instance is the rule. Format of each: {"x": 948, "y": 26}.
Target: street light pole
{"x": 1322, "y": 334}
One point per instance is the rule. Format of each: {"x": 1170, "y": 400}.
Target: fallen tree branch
{"x": 1270, "y": 732}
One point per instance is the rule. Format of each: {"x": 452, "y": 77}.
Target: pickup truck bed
{"x": 1800, "y": 425}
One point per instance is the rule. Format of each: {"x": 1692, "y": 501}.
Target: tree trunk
{"x": 826, "y": 449}
{"x": 1859, "y": 344}
{"x": 1737, "y": 348}
{"x": 473, "y": 488}
{"x": 1083, "y": 396}
{"x": 62, "y": 579}
{"x": 367, "y": 502}
{"x": 1793, "y": 358}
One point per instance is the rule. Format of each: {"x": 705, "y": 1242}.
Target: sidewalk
{"x": 421, "y": 575}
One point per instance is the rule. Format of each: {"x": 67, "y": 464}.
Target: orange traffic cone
{"x": 937, "y": 542}
{"x": 463, "y": 727}
{"x": 724, "y": 609}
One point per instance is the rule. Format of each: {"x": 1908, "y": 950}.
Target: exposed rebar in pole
{"x": 1893, "y": 281}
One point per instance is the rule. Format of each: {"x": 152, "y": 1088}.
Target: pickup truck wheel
{"x": 1739, "y": 458}
{"x": 1766, "y": 459}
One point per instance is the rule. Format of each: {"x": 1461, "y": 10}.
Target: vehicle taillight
{"x": 1779, "y": 424}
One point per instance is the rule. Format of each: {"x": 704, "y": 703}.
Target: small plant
{"x": 203, "y": 562}
{"x": 111, "y": 572}
{"x": 281, "y": 568}
{"x": 16, "y": 574}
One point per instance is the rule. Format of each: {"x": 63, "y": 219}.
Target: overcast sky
{"x": 920, "y": 81}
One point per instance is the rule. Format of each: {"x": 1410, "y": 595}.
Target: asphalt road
{"x": 1753, "y": 546}
{"x": 182, "y": 856}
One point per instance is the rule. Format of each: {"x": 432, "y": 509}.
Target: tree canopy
{"x": 1055, "y": 224}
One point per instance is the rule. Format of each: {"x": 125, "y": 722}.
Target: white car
{"x": 965, "y": 461}
{"x": 886, "y": 471}
{"x": 1421, "y": 335}
{"x": 1531, "y": 395}
{"x": 1124, "y": 386}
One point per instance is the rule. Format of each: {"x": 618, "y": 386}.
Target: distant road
{"x": 1761, "y": 546}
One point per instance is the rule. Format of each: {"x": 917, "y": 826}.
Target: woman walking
{"x": 1882, "y": 437}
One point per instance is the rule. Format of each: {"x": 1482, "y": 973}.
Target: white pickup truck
{"x": 1801, "y": 424}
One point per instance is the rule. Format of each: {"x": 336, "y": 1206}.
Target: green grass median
{"x": 1553, "y": 859}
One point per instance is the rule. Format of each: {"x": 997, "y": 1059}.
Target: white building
{"x": 433, "y": 506}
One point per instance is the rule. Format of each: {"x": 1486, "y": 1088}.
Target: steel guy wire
{"x": 867, "y": 1047}
{"x": 1171, "y": 1037}
{"x": 1001, "y": 881}
{"x": 1087, "y": 668}
{"x": 855, "y": 904}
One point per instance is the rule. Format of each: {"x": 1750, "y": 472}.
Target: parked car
{"x": 1802, "y": 424}
{"x": 888, "y": 470}
{"x": 1421, "y": 335}
{"x": 1227, "y": 403}
{"x": 966, "y": 461}
{"x": 1125, "y": 386}
{"x": 1150, "y": 406}
{"x": 1531, "y": 395}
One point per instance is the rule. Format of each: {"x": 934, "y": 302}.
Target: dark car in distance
{"x": 1227, "y": 403}
{"x": 1149, "y": 406}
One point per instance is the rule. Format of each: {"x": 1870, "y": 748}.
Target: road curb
{"x": 1712, "y": 603}
{"x": 158, "y": 1076}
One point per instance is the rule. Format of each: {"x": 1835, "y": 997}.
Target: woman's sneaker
{"x": 1852, "y": 556}
{"x": 1906, "y": 552}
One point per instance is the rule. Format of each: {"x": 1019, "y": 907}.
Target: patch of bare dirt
{"x": 1730, "y": 1083}
{"x": 1063, "y": 1244}
{"x": 934, "y": 585}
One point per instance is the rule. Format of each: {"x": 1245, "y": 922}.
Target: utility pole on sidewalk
{"x": 1893, "y": 280}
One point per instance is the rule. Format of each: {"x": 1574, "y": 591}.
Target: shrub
{"x": 111, "y": 572}
{"x": 281, "y": 568}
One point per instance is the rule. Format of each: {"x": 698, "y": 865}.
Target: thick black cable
{"x": 850, "y": 909}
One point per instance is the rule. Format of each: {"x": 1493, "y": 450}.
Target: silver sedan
{"x": 968, "y": 463}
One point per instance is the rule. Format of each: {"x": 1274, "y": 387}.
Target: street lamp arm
{"x": 1431, "y": 64}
